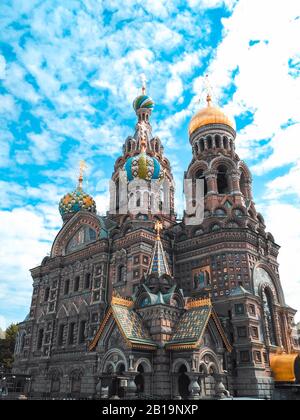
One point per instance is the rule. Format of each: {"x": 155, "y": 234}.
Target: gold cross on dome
{"x": 158, "y": 228}
{"x": 82, "y": 168}
{"x": 144, "y": 83}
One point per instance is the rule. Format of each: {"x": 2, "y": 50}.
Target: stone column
{"x": 194, "y": 387}
{"x": 235, "y": 182}
{"x": 221, "y": 391}
{"x": 211, "y": 177}
{"x": 131, "y": 389}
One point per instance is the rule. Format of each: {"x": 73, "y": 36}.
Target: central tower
{"x": 142, "y": 186}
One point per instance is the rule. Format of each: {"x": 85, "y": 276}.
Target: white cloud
{"x": 3, "y": 323}
{"x": 287, "y": 234}
{"x": 2, "y": 67}
{"x": 28, "y": 237}
{"x": 285, "y": 185}
{"x": 285, "y": 149}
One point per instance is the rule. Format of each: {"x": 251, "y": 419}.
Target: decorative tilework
{"x": 191, "y": 326}
{"x": 131, "y": 325}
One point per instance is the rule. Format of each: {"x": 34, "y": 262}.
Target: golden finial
{"x": 158, "y": 228}
{"x": 144, "y": 83}
{"x": 82, "y": 168}
{"x": 208, "y": 90}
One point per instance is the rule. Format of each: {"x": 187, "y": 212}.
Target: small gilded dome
{"x": 144, "y": 167}
{"x": 76, "y": 201}
{"x": 209, "y": 115}
{"x": 143, "y": 101}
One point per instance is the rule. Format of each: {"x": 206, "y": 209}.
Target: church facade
{"x": 137, "y": 304}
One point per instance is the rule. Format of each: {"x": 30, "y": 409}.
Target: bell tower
{"x": 142, "y": 182}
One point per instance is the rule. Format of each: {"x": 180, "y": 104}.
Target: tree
{"x": 7, "y": 346}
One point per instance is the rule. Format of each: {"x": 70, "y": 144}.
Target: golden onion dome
{"x": 209, "y": 115}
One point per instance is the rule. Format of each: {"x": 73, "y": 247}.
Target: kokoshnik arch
{"x": 121, "y": 309}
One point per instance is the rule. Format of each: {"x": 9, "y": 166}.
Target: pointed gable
{"x": 192, "y": 326}
{"x": 129, "y": 323}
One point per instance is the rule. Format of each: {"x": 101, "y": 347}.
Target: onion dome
{"x": 78, "y": 200}
{"x": 143, "y": 167}
{"x": 209, "y": 115}
{"x": 143, "y": 102}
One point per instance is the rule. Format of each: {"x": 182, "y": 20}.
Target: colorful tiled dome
{"x": 76, "y": 201}
{"x": 143, "y": 102}
{"x": 144, "y": 167}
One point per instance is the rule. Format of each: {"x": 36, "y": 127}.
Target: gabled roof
{"x": 192, "y": 325}
{"x": 129, "y": 323}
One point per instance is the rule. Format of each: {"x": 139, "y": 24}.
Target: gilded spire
{"x": 144, "y": 84}
{"x": 158, "y": 228}
{"x": 82, "y": 168}
{"x": 159, "y": 264}
{"x": 208, "y": 89}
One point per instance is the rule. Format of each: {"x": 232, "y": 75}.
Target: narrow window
{"x": 67, "y": 287}
{"x": 87, "y": 281}
{"x": 76, "y": 284}
{"x": 82, "y": 332}
{"x": 40, "y": 339}
{"x": 61, "y": 331}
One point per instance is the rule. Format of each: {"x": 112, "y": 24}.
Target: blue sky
{"x": 69, "y": 72}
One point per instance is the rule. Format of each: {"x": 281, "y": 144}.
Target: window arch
{"x": 220, "y": 213}
{"x": 121, "y": 273}
{"x": 209, "y": 142}
{"x": 222, "y": 180}
{"x": 269, "y": 315}
{"x": 82, "y": 237}
{"x": 243, "y": 188}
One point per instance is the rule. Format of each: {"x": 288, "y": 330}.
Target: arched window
{"x": 183, "y": 383}
{"x": 218, "y": 142}
{"x": 121, "y": 274}
{"x": 87, "y": 282}
{"x": 82, "y": 237}
{"x": 220, "y": 213}
{"x": 238, "y": 213}
{"x": 40, "y": 338}
{"x": 215, "y": 228}
{"x": 22, "y": 341}
{"x": 222, "y": 180}
{"x": 202, "y": 145}
{"x": 269, "y": 315}
{"x": 140, "y": 380}
{"x": 47, "y": 293}
{"x": 243, "y": 184}
{"x": 226, "y": 143}
{"x": 200, "y": 175}
{"x": 209, "y": 142}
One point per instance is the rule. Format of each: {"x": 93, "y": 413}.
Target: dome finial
{"x": 158, "y": 226}
{"x": 144, "y": 84}
{"x": 82, "y": 168}
{"x": 208, "y": 89}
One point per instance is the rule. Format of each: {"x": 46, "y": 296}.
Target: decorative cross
{"x": 158, "y": 228}
{"x": 82, "y": 168}
{"x": 208, "y": 89}
{"x": 144, "y": 83}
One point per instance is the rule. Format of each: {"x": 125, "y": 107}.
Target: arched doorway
{"x": 116, "y": 387}
{"x": 183, "y": 383}
{"x": 140, "y": 381}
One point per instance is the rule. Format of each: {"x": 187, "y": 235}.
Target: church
{"x": 138, "y": 304}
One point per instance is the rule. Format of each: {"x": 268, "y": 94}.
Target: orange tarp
{"x": 283, "y": 367}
